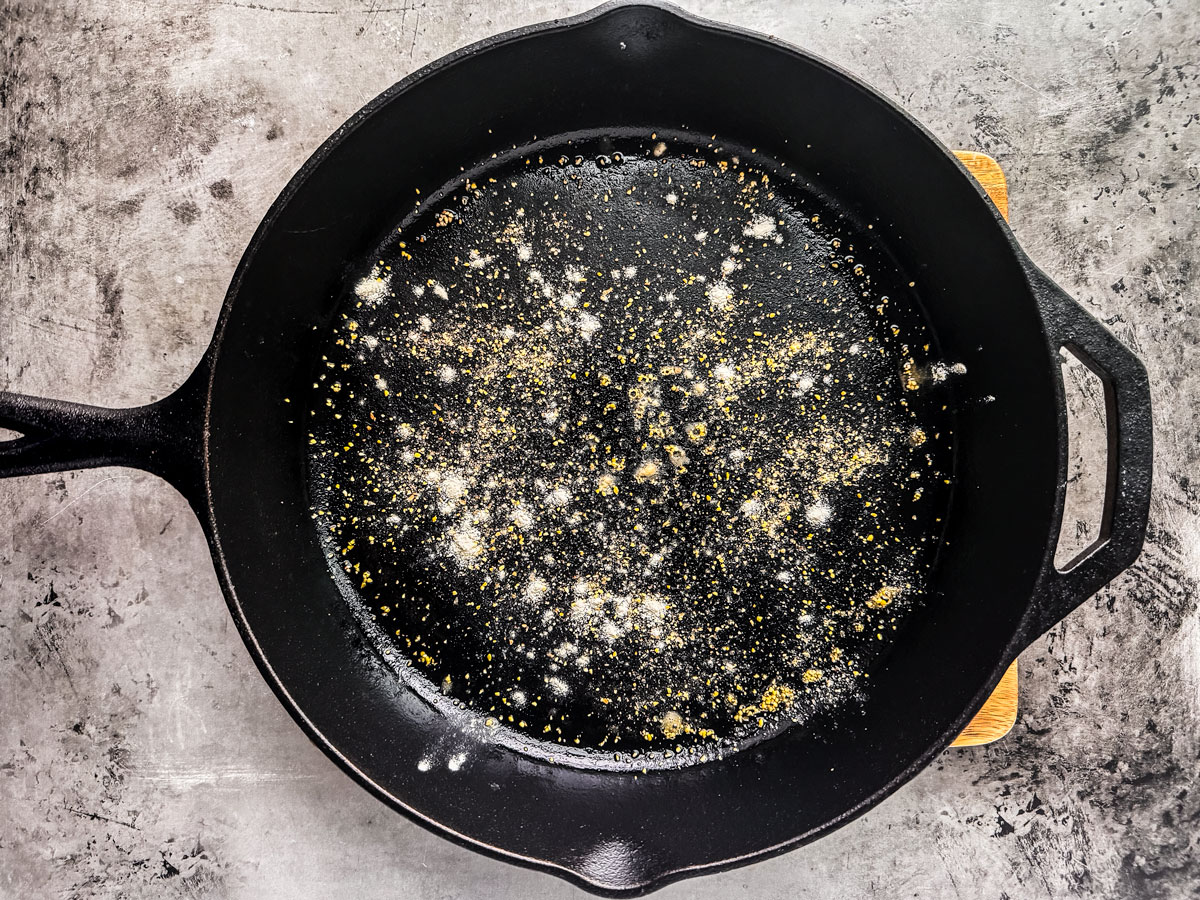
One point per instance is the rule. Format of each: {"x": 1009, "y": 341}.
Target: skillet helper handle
{"x": 1130, "y": 454}
{"x": 164, "y": 438}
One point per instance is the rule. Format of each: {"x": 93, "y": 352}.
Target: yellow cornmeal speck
{"x": 883, "y": 596}
{"x": 776, "y": 697}
{"x": 746, "y": 713}
{"x": 811, "y": 676}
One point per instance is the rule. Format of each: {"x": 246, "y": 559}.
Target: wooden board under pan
{"x": 997, "y": 716}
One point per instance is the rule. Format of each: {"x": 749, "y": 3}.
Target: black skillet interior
{"x": 593, "y": 317}
{"x": 639, "y": 67}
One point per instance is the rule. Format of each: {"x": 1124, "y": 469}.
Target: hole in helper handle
{"x": 165, "y": 438}
{"x": 1130, "y": 457}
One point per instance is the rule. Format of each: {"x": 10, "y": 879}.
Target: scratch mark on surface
{"x": 71, "y": 503}
{"x": 412, "y": 47}
{"x": 84, "y": 814}
{"x": 988, "y": 64}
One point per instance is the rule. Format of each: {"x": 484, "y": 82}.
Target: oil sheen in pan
{"x": 634, "y": 449}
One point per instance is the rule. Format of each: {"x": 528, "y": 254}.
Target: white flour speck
{"x": 453, "y": 486}
{"x": 588, "y": 325}
{"x": 719, "y": 294}
{"x": 751, "y": 507}
{"x": 760, "y": 228}
{"x": 536, "y": 589}
{"x": 557, "y": 498}
{"x": 373, "y": 288}
{"x": 818, "y": 513}
{"x": 466, "y": 544}
{"x": 804, "y": 383}
{"x": 652, "y": 609}
{"x": 455, "y": 762}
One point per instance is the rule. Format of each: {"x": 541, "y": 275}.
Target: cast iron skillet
{"x": 227, "y": 441}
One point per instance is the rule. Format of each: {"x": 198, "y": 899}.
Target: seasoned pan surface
{"x": 636, "y": 446}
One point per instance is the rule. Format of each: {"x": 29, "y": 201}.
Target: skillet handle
{"x": 165, "y": 438}
{"x": 1130, "y": 456}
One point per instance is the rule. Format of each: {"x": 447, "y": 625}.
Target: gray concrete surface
{"x": 141, "y": 755}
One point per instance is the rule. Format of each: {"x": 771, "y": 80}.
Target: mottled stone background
{"x": 141, "y": 755}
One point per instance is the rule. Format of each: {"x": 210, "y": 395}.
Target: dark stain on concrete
{"x": 221, "y": 189}
{"x": 111, "y": 319}
{"x": 186, "y": 212}
{"x": 128, "y": 207}
{"x": 111, "y": 293}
